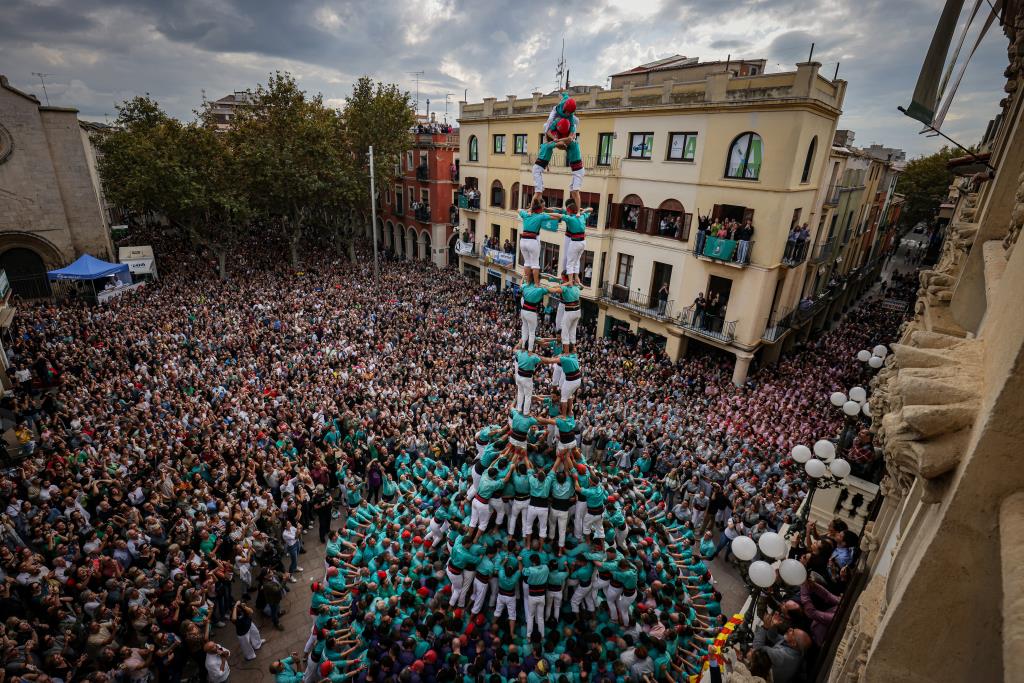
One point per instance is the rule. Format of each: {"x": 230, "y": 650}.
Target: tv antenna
{"x": 417, "y": 74}
{"x": 560, "y": 69}
{"x": 447, "y": 99}
{"x": 42, "y": 80}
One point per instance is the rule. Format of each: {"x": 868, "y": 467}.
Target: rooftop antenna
{"x": 567, "y": 79}
{"x": 560, "y": 69}
{"x": 836, "y": 74}
{"x": 42, "y": 80}
{"x": 811, "y": 55}
{"x": 447, "y": 99}
{"x": 417, "y": 74}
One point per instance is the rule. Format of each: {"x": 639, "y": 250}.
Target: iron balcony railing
{"x": 821, "y": 251}
{"x": 778, "y": 324}
{"x": 795, "y": 253}
{"x": 423, "y": 214}
{"x": 558, "y": 164}
{"x": 733, "y": 252}
{"x": 832, "y": 197}
{"x": 470, "y": 204}
{"x": 706, "y": 325}
{"x": 645, "y": 304}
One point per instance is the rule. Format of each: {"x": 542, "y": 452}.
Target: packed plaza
{"x": 166, "y": 483}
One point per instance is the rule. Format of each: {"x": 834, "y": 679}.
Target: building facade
{"x": 658, "y": 159}
{"x": 416, "y": 217}
{"x": 51, "y": 210}
{"x": 941, "y": 560}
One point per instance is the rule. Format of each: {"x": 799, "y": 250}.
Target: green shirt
{"x": 540, "y": 488}
{"x": 570, "y": 363}
{"x": 566, "y": 425}
{"x": 488, "y": 487}
{"x": 570, "y": 293}
{"x": 522, "y": 423}
{"x": 575, "y": 224}
{"x": 506, "y": 581}
{"x": 532, "y": 294}
{"x": 533, "y": 222}
{"x": 627, "y": 577}
{"x": 527, "y": 361}
{"x": 564, "y": 490}
{"x": 536, "y": 575}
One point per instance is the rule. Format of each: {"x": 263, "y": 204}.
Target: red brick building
{"x": 417, "y": 218}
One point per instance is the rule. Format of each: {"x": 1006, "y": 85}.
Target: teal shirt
{"x": 506, "y": 581}
{"x": 540, "y": 488}
{"x": 562, "y": 491}
{"x": 536, "y": 575}
{"x": 570, "y": 293}
{"x": 489, "y": 455}
{"x": 627, "y": 577}
{"x": 595, "y": 496}
{"x": 566, "y": 424}
{"x": 522, "y": 423}
{"x": 534, "y": 222}
{"x": 570, "y": 363}
{"x": 488, "y": 487}
{"x": 527, "y": 361}
{"x": 575, "y": 224}
{"x": 533, "y": 294}
{"x": 521, "y": 483}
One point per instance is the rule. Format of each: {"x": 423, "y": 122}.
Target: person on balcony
{"x": 699, "y": 307}
{"x": 663, "y": 298}
{"x": 703, "y": 225}
{"x": 744, "y": 235}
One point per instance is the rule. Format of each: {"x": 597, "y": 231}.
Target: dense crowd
{"x": 179, "y": 447}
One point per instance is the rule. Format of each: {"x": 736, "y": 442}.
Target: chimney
{"x": 803, "y": 83}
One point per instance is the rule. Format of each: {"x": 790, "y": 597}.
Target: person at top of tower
{"x": 560, "y": 130}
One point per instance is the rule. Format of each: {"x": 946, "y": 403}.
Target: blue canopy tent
{"x": 91, "y": 268}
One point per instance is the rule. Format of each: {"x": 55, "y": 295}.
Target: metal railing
{"x": 645, "y": 304}
{"x": 422, "y": 214}
{"x": 422, "y": 174}
{"x": 832, "y": 197}
{"x": 778, "y": 324}
{"x": 704, "y": 324}
{"x": 470, "y": 204}
{"x": 821, "y": 251}
{"x": 558, "y": 164}
{"x": 795, "y": 253}
{"x": 724, "y": 251}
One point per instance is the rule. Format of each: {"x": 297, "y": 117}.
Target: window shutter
{"x": 614, "y": 216}
{"x": 716, "y": 212}
{"x": 748, "y": 215}
{"x": 687, "y": 219}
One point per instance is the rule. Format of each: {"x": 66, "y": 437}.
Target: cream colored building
{"x": 670, "y": 151}
{"x": 942, "y": 562}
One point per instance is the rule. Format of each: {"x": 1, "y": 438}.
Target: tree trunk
{"x": 295, "y": 250}
{"x": 352, "y": 251}
{"x": 222, "y": 264}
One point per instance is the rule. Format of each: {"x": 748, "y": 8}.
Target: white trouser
{"x": 480, "y": 515}
{"x": 582, "y": 595}
{"x": 467, "y": 585}
{"x": 518, "y": 514}
{"x": 310, "y": 642}
{"x": 697, "y": 518}
{"x": 579, "y": 513}
{"x": 436, "y": 532}
{"x": 553, "y": 604}
{"x": 611, "y": 594}
{"x": 312, "y": 671}
{"x": 530, "y": 249}
{"x": 570, "y": 321}
{"x": 559, "y": 520}
{"x": 573, "y": 254}
{"x": 624, "y": 603}
{"x": 479, "y": 595}
{"x": 534, "y": 614}
{"x": 600, "y": 585}
{"x": 538, "y": 178}
{"x": 620, "y": 536}
{"x": 557, "y": 375}
{"x": 559, "y": 315}
{"x": 552, "y": 435}
{"x": 250, "y": 642}
{"x": 529, "y": 331}
{"x": 456, "y": 580}
{"x": 577, "y": 180}
{"x": 569, "y": 388}
{"x": 534, "y": 512}
{"x": 505, "y": 603}
{"x": 524, "y": 393}
{"x": 499, "y": 507}
{"x": 593, "y": 525}
{"x": 475, "y": 476}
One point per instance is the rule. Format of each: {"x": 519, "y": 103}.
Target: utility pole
{"x": 560, "y": 68}
{"x": 46, "y": 96}
{"x": 373, "y": 219}
{"x": 417, "y": 74}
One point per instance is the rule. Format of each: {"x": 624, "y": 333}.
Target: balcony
{"x": 821, "y": 251}
{"x": 795, "y": 254}
{"x": 832, "y": 196}
{"x": 559, "y": 165}
{"x": 422, "y": 213}
{"x": 724, "y": 251}
{"x": 466, "y": 249}
{"x": 637, "y": 301}
{"x": 711, "y": 326}
{"x": 469, "y": 203}
{"x": 778, "y": 325}
{"x": 455, "y": 175}
{"x": 423, "y": 174}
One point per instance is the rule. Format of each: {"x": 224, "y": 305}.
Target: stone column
{"x": 770, "y": 354}
{"x": 1011, "y": 550}
{"x": 675, "y": 346}
{"x": 739, "y": 373}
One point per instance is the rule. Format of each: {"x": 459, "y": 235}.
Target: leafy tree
{"x": 925, "y": 184}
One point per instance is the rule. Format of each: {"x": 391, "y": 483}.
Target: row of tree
{"x": 287, "y": 162}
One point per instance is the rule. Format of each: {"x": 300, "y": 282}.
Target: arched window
{"x": 474, "y": 150}
{"x": 513, "y": 202}
{"x": 745, "y": 156}
{"x": 809, "y": 161}
{"x": 497, "y": 194}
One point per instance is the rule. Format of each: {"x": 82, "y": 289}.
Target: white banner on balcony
{"x": 498, "y": 257}
{"x": 464, "y": 248}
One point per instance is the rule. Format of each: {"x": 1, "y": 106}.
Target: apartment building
{"x": 659, "y": 158}
{"x": 416, "y": 217}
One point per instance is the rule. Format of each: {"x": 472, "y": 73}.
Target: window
{"x": 744, "y": 157}
{"x": 809, "y": 161}
{"x": 682, "y": 146}
{"x": 474, "y": 151}
{"x": 387, "y": 197}
{"x": 549, "y": 258}
{"x": 425, "y": 196}
{"x": 753, "y": 71}
{"x": 640, "y": 145}
{"x": 399, "y": 209}
{"x": 495, "y": 231}
{"x": 625, "y": 271}
{"x": 604, "y": 149}
{"x": 587, "y": 268}
{"x": 408, "y": 160}
{"x": 519, "y": 142}
{"x": 497, "y": 194}
{"x": 499, "y": 144}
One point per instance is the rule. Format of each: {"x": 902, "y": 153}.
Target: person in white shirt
{"x": 290, "y": 535}
{"x": 217, "y": 668}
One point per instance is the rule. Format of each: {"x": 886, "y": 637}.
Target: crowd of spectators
{"x": 179, "y": 449}
{"x": 732, "y": 230}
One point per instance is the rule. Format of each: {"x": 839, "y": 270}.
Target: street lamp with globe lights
{"x": 762, "y": 575}
{"x": 825, "y": 471}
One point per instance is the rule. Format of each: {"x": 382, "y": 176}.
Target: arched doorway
{"x": 513, "y": 203}
{"x": 414, "y": 252}
{"x": 453, "y": 256}
{"x": 400, "y": 249}
{"x": 425, "y": 245}
{"x": 631, "y": 211}
{"x": 26, "y": 272}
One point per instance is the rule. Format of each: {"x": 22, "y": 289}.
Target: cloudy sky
{"x": 100, "y": 52}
